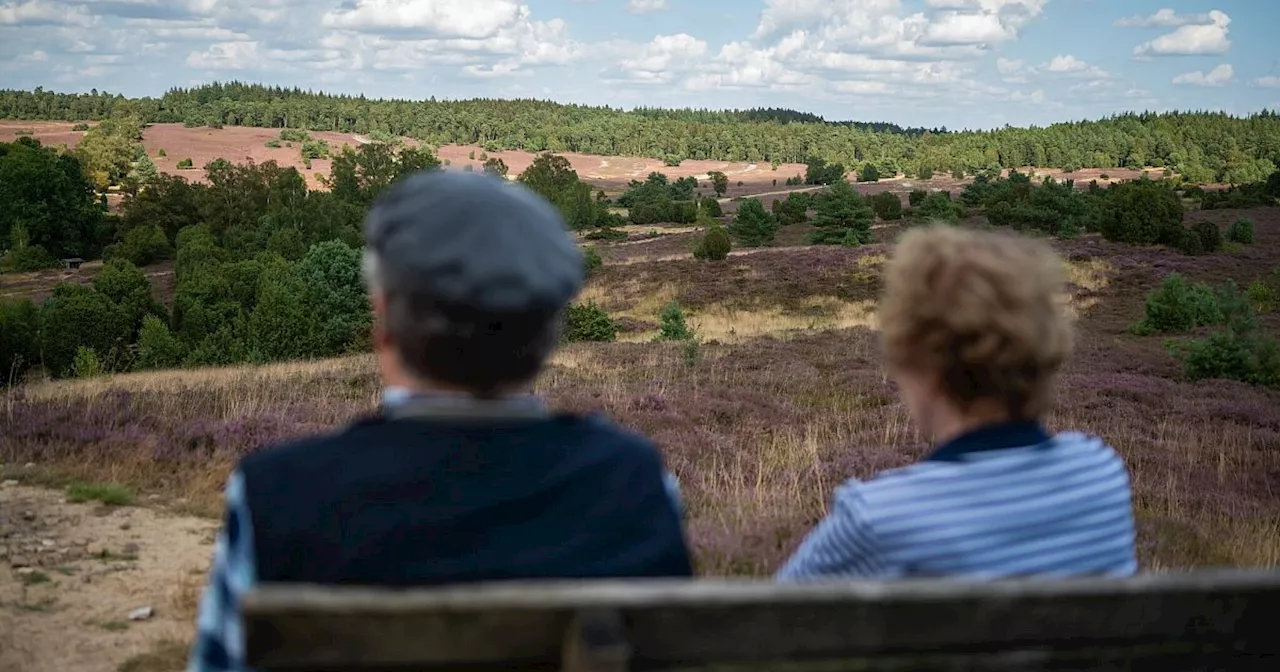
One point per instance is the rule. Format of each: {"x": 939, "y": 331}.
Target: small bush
{"x": 186, "y": 164}
{"x": 1178, "y": 306}
{"x": 29, "y": 258}
{"x": 1209, "y": 235}
{"x": 691, "y": 352}
{"x": 24, "y": 131}
{"x": 711, "y": 207}
{"x": 916, "y": 197}
{"x": 85, "y": 364}
{"x": 887, "y": 206}
{"x": 315, "y": 149}
{"x": 1190, "y": 243}
{"x": 80, "y": 127}
{"x": 672, "y": 326}
{"x": 273, "y": 144}
{"x": 1105, "y": 176}
{"x": 294, "y": 135}
{"x": 591, "y": 260}
{"x": 107, "y": 493}
{"x": 589, "y": 323}
{"x": 1241, "y": 231}
{"x": 715, "y": 245}
{"x": 1263, "y": 297}
{"x": 1238, "y": 352}
{"x": 161, "y": 152}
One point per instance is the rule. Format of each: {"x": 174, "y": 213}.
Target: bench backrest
{"x": 1201, "y": 620}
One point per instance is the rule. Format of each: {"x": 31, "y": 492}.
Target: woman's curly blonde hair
{"x": 981, "y": 311}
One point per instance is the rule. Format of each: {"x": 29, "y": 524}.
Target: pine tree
{"x": 753, "y": 226}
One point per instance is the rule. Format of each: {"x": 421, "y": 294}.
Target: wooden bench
{"x": 1219, "y": 620}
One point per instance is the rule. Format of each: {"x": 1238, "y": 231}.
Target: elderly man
{"x": 462, "y": 476}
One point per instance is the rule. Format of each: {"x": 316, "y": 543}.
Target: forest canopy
{"x": 1202, "y": 147}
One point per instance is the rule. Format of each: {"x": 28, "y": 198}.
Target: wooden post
{"x": 596, "y": 641}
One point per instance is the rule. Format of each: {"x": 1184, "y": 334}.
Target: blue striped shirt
{"x": 1005, "y": 501}
{"x": 219, "y": 645}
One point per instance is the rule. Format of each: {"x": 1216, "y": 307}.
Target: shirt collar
{"x": 1019, "y": 434}
{"x": 399, "y": 402}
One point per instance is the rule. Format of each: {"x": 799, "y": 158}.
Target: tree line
{"x": 265, "y": 269}
{"x": 1200, "y": 146}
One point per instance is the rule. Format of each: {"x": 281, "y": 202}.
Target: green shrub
{"x": 715, "y": 245}
{"x": 186, "y": 164}
{"x": 1238, "y": 352}
{"x": 1241, "y": 231}
{"x": 107, "y": 493}
{"x": 1209, "y": 235}
{"x": 672, "y": 326}
{"x": 1190, "y": 243}
{"x": 887, "y": 206}
{"x": 85, "y": 364}
{"x": 315, "y": 149}
{"x": 1178, "y": 306}
{"x": 752, "y": 225}
{"x": 161, "y": 152}
{"x": 158, "y": 348}
{"x": 938, "y": 206}
{"x": 80, "y": 127}
{"x": 294, "y": 135}
{"x": 29, "y": 258}
{"x": 916, "y": 197}
{"x": 1263, "y": 296}
{"x": 587, "y": 322}
{"x": 273, "y": 144}
{"x": 591, "y": 260}
{"x": 711, "y": 207}
{"x": 1142, "y": 212}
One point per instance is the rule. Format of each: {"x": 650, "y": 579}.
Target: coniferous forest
{"x": 1202, "y": 147}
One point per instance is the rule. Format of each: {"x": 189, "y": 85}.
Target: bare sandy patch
{"x": 71, "y": 574}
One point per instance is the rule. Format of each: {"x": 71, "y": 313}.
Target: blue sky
{"x": 954, "y": 63}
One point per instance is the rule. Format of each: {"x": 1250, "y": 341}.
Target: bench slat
{"x": 669, "y": 624}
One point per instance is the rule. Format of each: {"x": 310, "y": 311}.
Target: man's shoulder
{"x": 309, "y": 448}
{"x": 589, "y": 429}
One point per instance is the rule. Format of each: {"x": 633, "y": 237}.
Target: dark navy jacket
{"x": 430, "y": 500}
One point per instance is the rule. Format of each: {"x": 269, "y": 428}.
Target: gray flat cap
{"x": 474, "y": 241}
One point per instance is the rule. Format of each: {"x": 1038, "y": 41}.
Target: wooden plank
{"x": 674, "y": 623}
{"x": 596, "y": 641}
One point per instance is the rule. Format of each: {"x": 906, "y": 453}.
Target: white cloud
{"x": 471, "y": 19}
{"x": 43, "y": 12}
{"x": 1218, "y": 76}
{"x": 661, "y": 60}
{"x": 643, "y": 6}
{"x": 1164, "y": 18}
{"x": 1270, "y": 82}
{"x": 1191, "y": 40}
{"x": 1070, "y": 65}
{"x": 241, "y": 55}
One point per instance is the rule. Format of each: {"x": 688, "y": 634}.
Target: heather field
{"x": 784, "y": 399}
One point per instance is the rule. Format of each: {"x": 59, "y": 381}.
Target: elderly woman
{"x": 973, "y": 334}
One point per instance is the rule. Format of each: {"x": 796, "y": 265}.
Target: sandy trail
{"x": 70, "y": 574}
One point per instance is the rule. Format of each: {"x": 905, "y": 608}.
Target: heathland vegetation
{"x": 742, "y": 342}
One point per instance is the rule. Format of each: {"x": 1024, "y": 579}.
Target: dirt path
{"x": 71, "y": 574}
{"x": 729, "y": 199}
